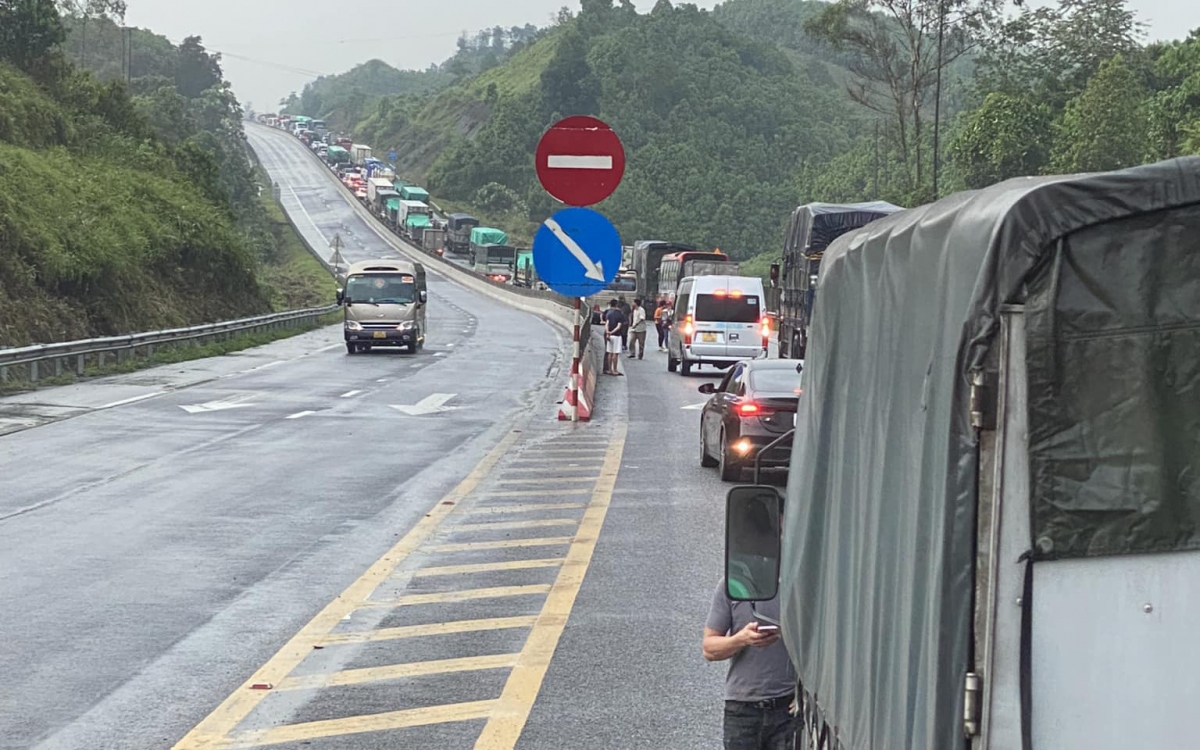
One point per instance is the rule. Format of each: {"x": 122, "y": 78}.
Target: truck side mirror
{"x": 341, "y": 296}
{"x": 774, "y": 274}
{"x": 753, "y": 519}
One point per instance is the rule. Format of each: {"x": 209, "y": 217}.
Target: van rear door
{"x": 727, "y": 322}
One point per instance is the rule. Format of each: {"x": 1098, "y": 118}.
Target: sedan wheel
{"x": 731, "y": 471}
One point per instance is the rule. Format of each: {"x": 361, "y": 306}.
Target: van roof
{"x": 724, "y": 282}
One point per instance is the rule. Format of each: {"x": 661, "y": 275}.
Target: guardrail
{"x": 45, "y": 360}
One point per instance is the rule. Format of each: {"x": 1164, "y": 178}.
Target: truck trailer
{"x": 992, "y": 519}
{"x": 359, "y": 154}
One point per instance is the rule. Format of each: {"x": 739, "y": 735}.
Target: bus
{"x": 678, "y": 266}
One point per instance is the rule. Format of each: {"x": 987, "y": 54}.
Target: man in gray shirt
{"x": 761, "y": 682}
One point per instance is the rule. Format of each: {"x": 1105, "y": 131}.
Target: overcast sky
{"x": 272, "y": 47}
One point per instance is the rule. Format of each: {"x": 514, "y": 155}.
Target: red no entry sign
{"x": 580, "y": 160}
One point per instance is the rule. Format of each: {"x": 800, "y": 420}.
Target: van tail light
{"x": 688, "y": 330}
{"x": 766, "y": 328}
{"x": 753, "y": 409}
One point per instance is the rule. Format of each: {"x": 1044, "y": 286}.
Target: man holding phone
{"x": 761, "y": 683}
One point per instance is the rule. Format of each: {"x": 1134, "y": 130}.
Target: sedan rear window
{"x": 727, "y": 309}
{"x": 775, "y": 381}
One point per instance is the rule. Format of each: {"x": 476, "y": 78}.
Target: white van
{"x": 718, "y": 320}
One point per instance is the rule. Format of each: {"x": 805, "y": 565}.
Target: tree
{"x": 568, "y": 86}
{"x": 30, "y": 32}
{"x": 198, "y": 71}
{"x": 1105, "y": 126}
{"x": 899, "y": 51}
{"x": 1006, "y": 136}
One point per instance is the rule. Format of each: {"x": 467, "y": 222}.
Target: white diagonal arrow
{"x": 431, "y": 404}
{"x": 591, "y": 269}
{"x": 695, "y": 407}
{"x": 230, "y": 403}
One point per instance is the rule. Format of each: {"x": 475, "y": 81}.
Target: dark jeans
{"x": 749, "y": 727}
{"x": 662, "y": 336}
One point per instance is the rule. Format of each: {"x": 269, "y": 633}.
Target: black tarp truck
{"x": 647, "y": 257}
{"x": 991, "y": 535}
{"x": 812, "y": 227}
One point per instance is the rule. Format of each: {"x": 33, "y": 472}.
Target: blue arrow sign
{"x": 577, "y": 252}
{"x": 392, "y": 155}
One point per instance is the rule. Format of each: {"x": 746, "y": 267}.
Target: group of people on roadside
{"x": 625, "y": 328}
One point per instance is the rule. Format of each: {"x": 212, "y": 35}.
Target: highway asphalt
{"x": 484, "y": 576}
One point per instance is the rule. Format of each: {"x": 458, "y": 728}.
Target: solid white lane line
{"x": 133, "y": 400}
{"x": 300, "y": 415}
{"x": 350, "y": 394}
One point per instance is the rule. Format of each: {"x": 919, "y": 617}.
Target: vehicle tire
{"x": 731, "y": 471}
{"x": 685, "y": 366}
{"x": 351, "y": 348}
{"x": 412, "y": 348}
{"x": 706, "y": 460}
{"x": 672, "y": 363}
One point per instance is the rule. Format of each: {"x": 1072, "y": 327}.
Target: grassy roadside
{"x": 171, "y": 356}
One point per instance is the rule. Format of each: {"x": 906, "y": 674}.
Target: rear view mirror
{"x": 752, "y": 543}
{"x": 707, "y": 388}
{"x": 423, "y": 296}
{"x": 341, "y": 296}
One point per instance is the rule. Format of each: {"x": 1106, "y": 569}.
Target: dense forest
{"x": 733, "y": 117}
{"x": 127, "y": 198}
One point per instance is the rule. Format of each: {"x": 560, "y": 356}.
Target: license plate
{"x": 708, "y": 338}
{"x": 380, "y": 334}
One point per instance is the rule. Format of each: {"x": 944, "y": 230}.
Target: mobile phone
{"x": 768, "y": 629}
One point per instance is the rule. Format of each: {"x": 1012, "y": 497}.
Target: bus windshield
{"x": 381, "y": 289}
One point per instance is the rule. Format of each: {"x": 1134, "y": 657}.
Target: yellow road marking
{"x": 449, "y": 570}
{"x": 537, "y": 541}
{"x": 440, "y": 597}
{"x": 397, "y": 671}
{"x": 226, "y": 717}
{"x": 550, "y": 467}
{"x": 412, "y": 717}
{"x": 535, "y": 523}
{"x": 489, "y": 509}
{"x": 596, "y": 449}
{"x": 537, "y": 493}
{"x": 552, "y": 480}
{"x": 505, "y": 724}
{"x": 441, "y": 628}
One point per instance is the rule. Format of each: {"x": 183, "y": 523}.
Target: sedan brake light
{"x": 752, "y": 409}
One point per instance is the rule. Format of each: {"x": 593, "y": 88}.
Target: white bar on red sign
{"x": 579, "y": 162}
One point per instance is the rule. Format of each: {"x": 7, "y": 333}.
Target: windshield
{"x": 774, "y": 380}
{"x": 381, "y": 289}
{"x": 727, "y": 309}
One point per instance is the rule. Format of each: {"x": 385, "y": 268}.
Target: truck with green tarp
{"x": 335, "y": 155}
{"x": 524, "y": 272}
{"x": 412, "y": 219}
{"x": 991, "y": 532}
{"x": 490, "y": 253}
{"x": 413, "y": 193}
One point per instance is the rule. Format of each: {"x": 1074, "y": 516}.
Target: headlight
{"x": 353, "y": 325}
{"x": 405, "y": 326}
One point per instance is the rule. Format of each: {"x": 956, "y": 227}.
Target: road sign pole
{"x": 576, "y": 352}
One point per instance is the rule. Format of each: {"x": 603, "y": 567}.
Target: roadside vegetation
{"x": 128, "y": 201}
{"x": 733, "y": 117}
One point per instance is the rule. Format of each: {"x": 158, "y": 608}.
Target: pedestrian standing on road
{"x": 660, "y": 324}
{"x": 614, "y": 327}
{"x": 637, "y": 330}
{"x": 667, "y": 318}
{"x": 627, "y": 311}
{"x": 761, "y": 683}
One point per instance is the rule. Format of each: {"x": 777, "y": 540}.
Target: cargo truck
{"x": 646, "y": 260}
{"x": 413, "y": 193}
{"x": 992, "y": 522}
{"x": 812, "y": 227}
{"x": 458, "y": 232}
{"x": 359, "y": 154}
{"x": 413, "y": 219}
{"x": 374, "y": 185}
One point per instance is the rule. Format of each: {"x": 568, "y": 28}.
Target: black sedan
{"x": 753, "y": 405}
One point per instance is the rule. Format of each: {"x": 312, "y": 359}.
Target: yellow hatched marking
{"x": 214, "y": 729}
{"x": 537, "y": 493}
{"x": 412, "y": 717}
{"x": 397, "y": 671}
{"x": 441, "y": 628}
{"x": 505, "y": 725}
{"x": 537, "y": 541}
{"x": 495, "y": 592}
{"x": 449, "y": 570}
{"x": 529, "y": 508}
{"x": 551, "y": 467}
{"x": 536, "y": 523}
{"x": 550, "y": 480}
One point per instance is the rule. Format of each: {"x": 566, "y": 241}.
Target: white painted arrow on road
{"x": 695, "y": 407}
{"x": 237, "y": 402}
{"x": 591, "y": 269}
{"x": 431, "y": 404}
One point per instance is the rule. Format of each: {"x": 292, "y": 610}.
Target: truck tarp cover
{"x": 822, "y": 223}
{"x": 417, "y": 220}
{"x": 879, "y": 532}
{"x": 488, "y": 236}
